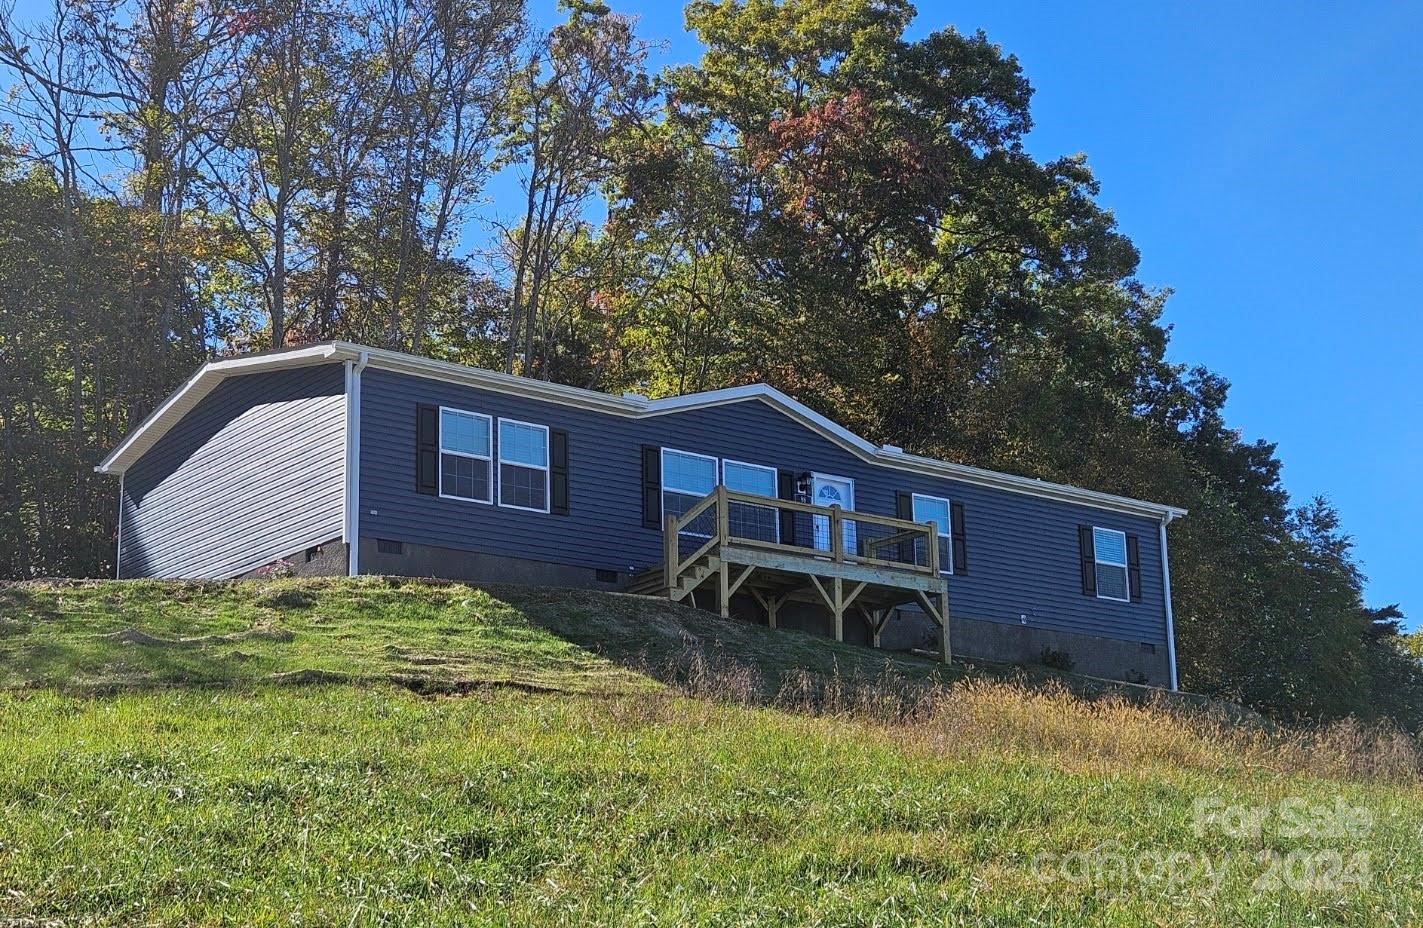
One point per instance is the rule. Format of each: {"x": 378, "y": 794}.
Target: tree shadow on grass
{"x": 692, "y": 649}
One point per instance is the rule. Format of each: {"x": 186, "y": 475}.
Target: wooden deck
{"x": 849, "y": 562}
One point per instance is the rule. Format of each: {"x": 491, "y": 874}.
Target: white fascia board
{"x": 771, "y": 395}
{"x": 495, "y": 381}
{"x": 1029, "y": 485}
{"x": 891, "y": 456}
{"x": 629, "y": 405}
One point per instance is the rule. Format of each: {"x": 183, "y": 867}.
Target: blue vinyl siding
{"x": 253, "y": 473}
{"x": 1022, "y": 550}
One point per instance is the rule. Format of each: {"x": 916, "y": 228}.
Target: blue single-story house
{"x": 340, "y": 458}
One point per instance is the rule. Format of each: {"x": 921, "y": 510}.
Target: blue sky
{"x": 1267, "y": 159}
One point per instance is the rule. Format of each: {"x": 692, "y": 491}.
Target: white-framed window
{"x": 523, "y": 465}
{"x": 686, "y": 478}
{"x": 745, "y": 520}
{"x": 1109, "y": 548}
{"x": 465, "y": 468}
{"x": 937, "y": 510}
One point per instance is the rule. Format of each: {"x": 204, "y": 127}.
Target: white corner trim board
{"x": 1170, "y": 619}
{"x": 353, "y": 463}
{"x": 630, "y": 405}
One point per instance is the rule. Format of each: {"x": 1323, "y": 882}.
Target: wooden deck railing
{"x": 903, "y": 535}
{"x": 891, "y": 561}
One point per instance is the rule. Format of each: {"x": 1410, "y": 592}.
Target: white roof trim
{"x": 180, "y": 401}
{"x": 893, "y": 456}
{"x": 630, "y": 405}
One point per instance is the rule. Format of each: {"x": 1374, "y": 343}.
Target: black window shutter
{"x": 1134, "y": 568}
{"x": 956, "y": 521}
{"x": 427, "y": 449}
{"x": 558, "y": 472}
{"x": 1088, "y": 554}
{"x": 785, "y": 489}
{"x": 904, "y": 509}
{"x": 651, "y": 486}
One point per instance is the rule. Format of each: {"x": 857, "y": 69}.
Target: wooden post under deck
{"x": 670, "y": 553}
{"x": 875, "y": 620}
{"x": 723, "y": 530}
{"x": 939, "y": 612}
{"x": 943, "y": 612}
{"x": 770, "y": 602}
{"x": 945, "y": 653}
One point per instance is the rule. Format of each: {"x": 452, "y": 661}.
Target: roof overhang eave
{"x": 214, "y": 372}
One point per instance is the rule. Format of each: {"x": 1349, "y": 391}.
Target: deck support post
{"x": 839, "y": 608}
{"x": 771, "y": 603}
{"x": 937, "y": 606}
{"x": 875, "y": 620}
{"x": 723, "y": 532}
{"x": 669, "y": 556}
{"x": 945, "y": 652}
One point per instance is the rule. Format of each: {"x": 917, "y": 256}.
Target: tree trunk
{"x": 278, "y": 284}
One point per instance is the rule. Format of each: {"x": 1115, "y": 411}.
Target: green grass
{"x": 426, "y": 635}
{"x": 483, "y": 762}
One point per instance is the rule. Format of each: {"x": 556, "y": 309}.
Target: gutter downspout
{"x": 1170, "y": 619}
{"x": 352, "y": 531}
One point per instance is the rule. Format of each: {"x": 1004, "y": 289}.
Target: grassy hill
{"x": 379, "y": 752}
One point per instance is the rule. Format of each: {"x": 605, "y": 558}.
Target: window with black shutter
{"x": 465, "y": 453}
{"x": 1105, "y": 563}
{"x": 524, "y": 465}
{"x": 938, "y": 510}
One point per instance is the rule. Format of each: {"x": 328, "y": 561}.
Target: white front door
{"x": 826, "y": 490}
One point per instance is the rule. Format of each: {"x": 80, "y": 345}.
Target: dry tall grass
{"x": 977, "y": 717}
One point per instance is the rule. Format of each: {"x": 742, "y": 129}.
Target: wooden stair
{"x": 649, "y": 582}
{"x": 646, "y": 582}
{"x": 652, "y": 582}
